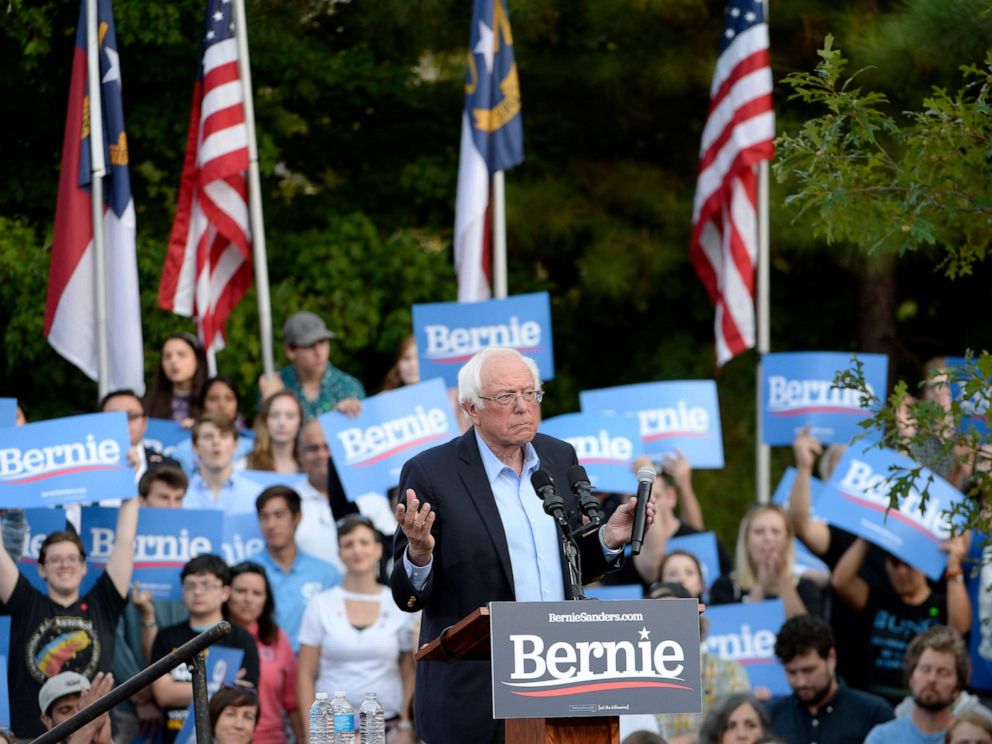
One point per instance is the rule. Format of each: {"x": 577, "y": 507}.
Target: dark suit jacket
{"x": 471, "y": 567}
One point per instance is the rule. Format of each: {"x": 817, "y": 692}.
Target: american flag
{"x": 739, "y": 133}
{"x": 208, "y": 264}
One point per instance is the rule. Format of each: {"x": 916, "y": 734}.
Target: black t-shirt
{"x": 726, "y": 591}
{"x": 47, "y": 639}
{"x": 171, "y": 638}
{"x": 892, "y": 624}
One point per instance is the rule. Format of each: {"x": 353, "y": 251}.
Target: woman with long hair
{"x": 220, "y": 395}
{"x": 277, "y": 433}
{"x": 181, "y": 372}
{"x": 406, "y": 368}
{"x": 764, "y": 563}
{"x": 252, "y": 607}
{"x": 354, "y": 638}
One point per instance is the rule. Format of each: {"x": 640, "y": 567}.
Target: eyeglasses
{"x": 135, "y": 416}
{"x": 313, "y": 448}
{"x": 195, "y": 588}
{"x": 63, "y": 560}
{"x": 504, "y": 400}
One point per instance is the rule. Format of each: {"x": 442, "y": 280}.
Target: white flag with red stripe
{"x": 739, "y": 133}
{"x": 208, "y": 264}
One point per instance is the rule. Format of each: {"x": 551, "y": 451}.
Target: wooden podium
{"x": 468, "y": 639}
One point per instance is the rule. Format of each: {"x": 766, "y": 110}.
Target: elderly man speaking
{"x": 473, "y": 531}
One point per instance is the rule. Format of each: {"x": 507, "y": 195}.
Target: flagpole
{"x": 763, "y": 453}
{"x": 255, "y": 196}
{"x": 97, "y": 171}
{"x": 499, "y": 236}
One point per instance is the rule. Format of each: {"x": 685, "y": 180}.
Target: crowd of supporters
{"x": 872, "y": 649}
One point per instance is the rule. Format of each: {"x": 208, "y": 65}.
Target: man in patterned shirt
{"x": 320, "y": 386}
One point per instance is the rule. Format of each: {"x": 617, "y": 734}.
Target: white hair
{"x": 470, "y": 376}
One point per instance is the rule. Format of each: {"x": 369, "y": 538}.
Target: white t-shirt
{"x": 358, "y": 661}
{"x": 317, "y": 533}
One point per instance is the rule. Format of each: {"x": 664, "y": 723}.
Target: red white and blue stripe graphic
{"x": 208, "y": 265}
{"x": 70, "y": 307}
{"x": 739, "y": 133}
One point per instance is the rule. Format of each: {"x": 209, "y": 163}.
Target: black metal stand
{"x": 141, "y": 680}
{"x": 201, "y": 698}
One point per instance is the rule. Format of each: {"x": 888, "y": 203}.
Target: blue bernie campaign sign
{"x": 369, "y": 450}
{"x": 797, "y": 390}
{"x": 450, "y": 333}
{"x": 857, "y": 500}
{"x": 65, "y": 460}
{"x": 682, "y": 414}
{"x": 41, "y": 523}
{"x": 4, "y": 656}
{"x": 266, "y": 478}
{"x": 745, "y": 632}
{"x": 164, "y": 435}
{"x": 242, "y": 537}
{"x": 975, "y": 411}
{"x": 223, "y": 664}
{"x": 606, "y": 445}
{"x": 8, "y": 411}
{"x": 166, "y": 540}
{"x": 615, "y": 591}
{"x": 703, "y": 546}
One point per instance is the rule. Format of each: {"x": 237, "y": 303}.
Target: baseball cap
{"x": 57, "y": 687}
{"x": 305, "y": 329}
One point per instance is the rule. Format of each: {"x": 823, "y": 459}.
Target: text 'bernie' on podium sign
{"x": 580, "y": 659}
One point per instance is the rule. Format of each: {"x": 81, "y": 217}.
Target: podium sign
{"x": 579, "y": 659}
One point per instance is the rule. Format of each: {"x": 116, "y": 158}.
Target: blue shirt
{"x": 531, "y": 535}
{"x": 293, "y": 589}
{"x": 236, "y": 496}
{"x": 902, "y": 731}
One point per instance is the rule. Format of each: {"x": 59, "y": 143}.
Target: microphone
{"x": 645, "y": 479}
{"x": 554, "y": 505}
{"x": 578, "y": 479}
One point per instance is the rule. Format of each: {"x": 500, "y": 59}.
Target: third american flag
{"x": 739, "y": 133}
{"x": 208, "y": 264}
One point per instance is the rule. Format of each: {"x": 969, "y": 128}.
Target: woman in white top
{"x": 354, "y": 638}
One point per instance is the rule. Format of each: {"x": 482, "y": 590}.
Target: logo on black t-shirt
{"x": 60, "y": 644}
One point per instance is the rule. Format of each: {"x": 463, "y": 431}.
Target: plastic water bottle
{"x": 343, "y": 731}
{"x": 373, "y": 721}
{"x": 321, "y": 720}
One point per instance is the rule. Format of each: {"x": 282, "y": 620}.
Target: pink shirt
{"x": 276, "y": 687}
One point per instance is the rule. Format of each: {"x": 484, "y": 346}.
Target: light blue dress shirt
{"x": 236, "y": 496}
{"x": 292, "y": 590}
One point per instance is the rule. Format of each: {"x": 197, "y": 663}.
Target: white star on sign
{"x": 485, "y": 46}
{"x": 114, "y": 73}
{"x": 644, "y": 633}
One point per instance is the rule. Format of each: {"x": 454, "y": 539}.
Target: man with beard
{"x": 937, "y": 669}
{"x": 820, "y": 709}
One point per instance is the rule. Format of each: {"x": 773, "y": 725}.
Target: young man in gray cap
{"x": 65, "y": 694}
{"x": 320, "y": 386}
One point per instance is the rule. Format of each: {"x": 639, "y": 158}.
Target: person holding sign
{"x": 320, "y": 386}
{"x": 60, "y": 631}
{"x": 764, "y": 564}
{"x": 472, "y": 530}
{"x": 899, "y": 609}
